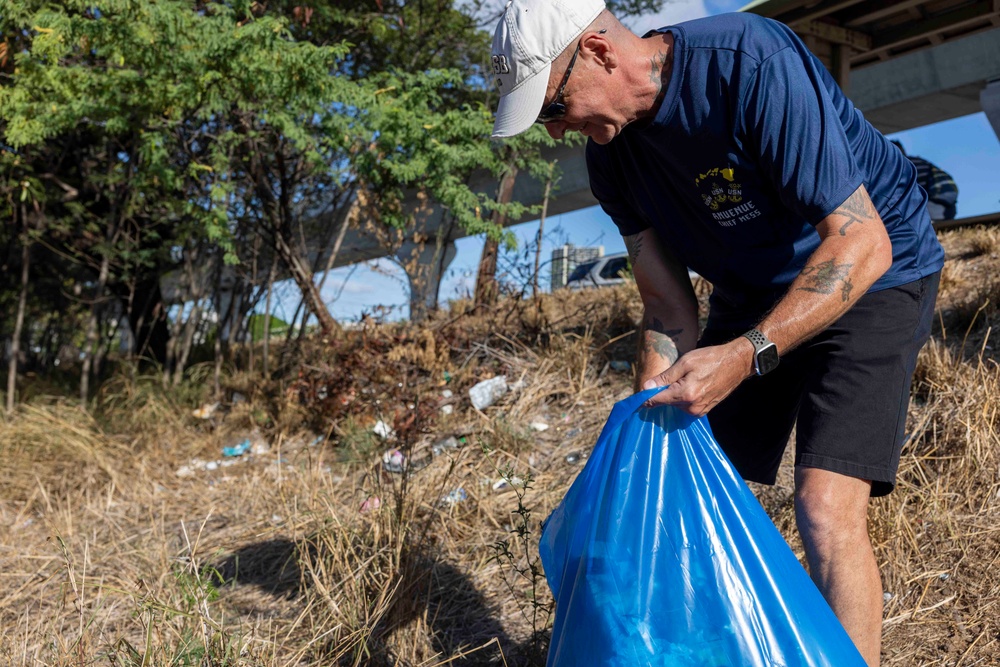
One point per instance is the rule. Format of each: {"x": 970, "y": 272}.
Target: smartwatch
{"x": 765, "y": 353}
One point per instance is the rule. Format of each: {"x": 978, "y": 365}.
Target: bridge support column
{"x": 425, "y": 262}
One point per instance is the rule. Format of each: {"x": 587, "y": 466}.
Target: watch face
{"x": 767, "y": 359}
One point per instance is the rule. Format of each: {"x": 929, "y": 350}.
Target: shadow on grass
{"x": 272, "y": 566}
{"x": 459, "y": 617}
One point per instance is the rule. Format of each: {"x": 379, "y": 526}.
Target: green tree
{"x": 166, "y": 102}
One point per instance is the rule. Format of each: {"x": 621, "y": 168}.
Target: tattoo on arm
{"x": 659, "y": 340}
{"x": 858, "y": 208}
{"x": 823, "y": 278}
{"x": 633, "y": 243}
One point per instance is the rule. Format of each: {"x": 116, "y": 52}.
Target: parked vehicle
{"x": 607, "y": 270}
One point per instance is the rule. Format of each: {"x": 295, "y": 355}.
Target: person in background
{"x": 722, "y": 145}
{"x": 941, "y": 189}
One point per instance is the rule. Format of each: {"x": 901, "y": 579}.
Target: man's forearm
{"x": 665, "y": 335}
{"x": 669, "y": 325}
{"x": 851, "y": 257}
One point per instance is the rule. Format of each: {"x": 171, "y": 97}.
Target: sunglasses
{"x": 556, "y": 109}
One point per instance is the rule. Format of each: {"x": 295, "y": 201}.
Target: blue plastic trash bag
{"x": 661, "y": 555}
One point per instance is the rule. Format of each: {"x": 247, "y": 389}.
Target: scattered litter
{"x": 539, "y": 426}
{"x": 449, "y": 443}
{"x": 194, "y": 465}
{"x": 455, "y": 497}
{"x": 486, "y": 393}
{"x": 504, "y": 484}
{"x": 945, "y": 576}
{"x": 260, "y": 448}
{"x": 237, "y": 450}
{"x": 276, "y": 518}
{"x": 370, "y": 504}
{"x": 383, "y": 430}
{"x": 238, "y": 398}
{"x": 393, "y": 460}
{"x": 447, "y": 408}
{"x": 315, "y": 441}
{"x": 575, "y": 457}
{"x": 206, "y": 411}
{"x": 620, "y": 366}
{"x": 887, "y": 596}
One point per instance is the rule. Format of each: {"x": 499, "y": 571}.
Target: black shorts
{"x": 846, "y": 391}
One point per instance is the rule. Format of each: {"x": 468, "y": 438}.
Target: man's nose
{"x": 556, "y": 129}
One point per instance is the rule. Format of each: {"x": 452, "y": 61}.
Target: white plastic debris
{"x": 206, "y": 411}
{"x": 393, "y": 461}
{"x": 383, "y": 430}
{"x": 455, "y": 497}
{"x": 447, "y": 393}
{"x": 487, "y": 392}
{"x": 539, "y": 426}
{"x": 449, "y": 443}
{"x": 447, "y": 409}
{"x": 504, "y": 484}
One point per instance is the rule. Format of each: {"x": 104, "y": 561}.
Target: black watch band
{"x": 765, "y": 353}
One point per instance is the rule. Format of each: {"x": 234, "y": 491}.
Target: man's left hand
{"x": 700, "y": 379}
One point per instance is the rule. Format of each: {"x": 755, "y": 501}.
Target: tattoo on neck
{"x": 822, "y": 278}
{"x": 659, "y": 69}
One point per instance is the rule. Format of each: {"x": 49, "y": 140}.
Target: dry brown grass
{"x": 109, "y": 557}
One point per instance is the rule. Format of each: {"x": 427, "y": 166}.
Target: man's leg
{"x": 831, "y": 511}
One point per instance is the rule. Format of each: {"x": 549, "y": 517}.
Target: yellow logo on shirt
{"x": 723, "y": 195}
{"x": 721, "y": 187}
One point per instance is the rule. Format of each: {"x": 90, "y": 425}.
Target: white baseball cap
{"x": 531, "y": 34}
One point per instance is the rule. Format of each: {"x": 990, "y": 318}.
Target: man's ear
{"x": 597, "y": 46}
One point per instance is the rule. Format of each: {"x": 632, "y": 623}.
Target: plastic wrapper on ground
{"x": 661, "y": 555}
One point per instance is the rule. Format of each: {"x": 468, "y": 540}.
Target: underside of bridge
{"x": 905, "y": 63}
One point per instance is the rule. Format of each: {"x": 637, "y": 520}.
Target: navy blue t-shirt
{"x": 753, "y": 145}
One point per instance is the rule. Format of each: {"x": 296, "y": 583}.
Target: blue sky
{"x": 965, "y": 147}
